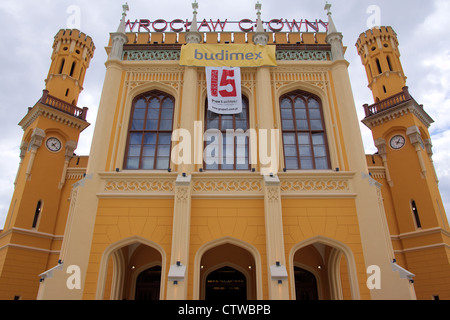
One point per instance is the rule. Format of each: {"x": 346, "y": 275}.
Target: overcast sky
{"x": 29, "y": 27}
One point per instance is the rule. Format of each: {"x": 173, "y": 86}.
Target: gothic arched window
{"x": 227, "y": 140}
{"x": 304, "y": 135}
{"x": 150, "y": 132}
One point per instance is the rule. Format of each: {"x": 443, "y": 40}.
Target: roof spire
{"x": 119, "y": 38}
{"x": 334, "y": 38}
{"x": 193, "y": 36}
{"x": 331, "y": 25}
{"x": 125, "y": 8}
{"x": 260, "y": 37}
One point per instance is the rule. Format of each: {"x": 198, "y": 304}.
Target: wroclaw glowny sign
{"x": 244, "y": 25}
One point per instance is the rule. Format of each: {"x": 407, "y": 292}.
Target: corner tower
{"x": 72, "y": 53}
{"x": 404, "y": 166}
{"x": 378, "y": 49}
{"x": 34, "y": 228}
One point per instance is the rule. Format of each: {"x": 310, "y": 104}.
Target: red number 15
{"x": 227, "y": 79}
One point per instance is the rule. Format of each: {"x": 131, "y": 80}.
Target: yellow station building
{"x": 320, "y": 221}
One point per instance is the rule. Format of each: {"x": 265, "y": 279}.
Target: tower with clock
{"x": 36, "y": 220}
{"x": 403, "y": 165}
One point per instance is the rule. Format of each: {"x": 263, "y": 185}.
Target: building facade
{"x": 295, "y": 211}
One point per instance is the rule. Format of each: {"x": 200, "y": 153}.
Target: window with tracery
{"x": 304, "y": 135}
{"x": 227, "y": 140}
{"x": 150, "y": 132}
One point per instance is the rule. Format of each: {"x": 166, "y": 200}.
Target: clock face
{"x": 53, "y": 144}
{"x": 397, "y": 142}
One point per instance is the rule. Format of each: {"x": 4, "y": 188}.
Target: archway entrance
{"x": 133, "y": 271}
{"x": 323, "y": 269}
{"x": 226, "y": 284}
{"x": 305, "y": 285}
{"x": 148, "y": 284}
{"x": 227, "y": 272}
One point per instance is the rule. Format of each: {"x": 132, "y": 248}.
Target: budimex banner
{"x": 227, "y": 55}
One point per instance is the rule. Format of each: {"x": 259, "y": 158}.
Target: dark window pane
{"x": 133, "y": 163}
{"x": 139, "y": 113}
{"x": 302, "y": 125}
{"x": 162, "y": 163}
{"x": 164, "y": 151}
{"x": 140, "y": 104}
{"x": 136, "y": 138}
{"x": 165, "y": 125}
{"x": 306, "y": 163}
{"x": 137, "y": 125}
{"x": 165, "y": 138}
{"x": 292, "y": 163}
{"x": 314, "y": 114}
{"x": 150, "y": 138}
{"x": 134, "y": 151}
{"x": 289, "y": 138}
{"x": 149, "y": 151}
{"x": 322, "y": 163}
{"x": 313, "y": 104}
{"x": 316, "y": 125}
{"x": 286, "y": 103}
{"x": 299, "y": 104}
{"x": 288, "y": 125}
{"x": 286, "y": 114}
{"x": 153, "y": 114}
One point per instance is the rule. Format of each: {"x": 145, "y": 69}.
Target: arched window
{"x": 379, "y": 66}
{"x": 72, "y": 70}
{"x": 37, "y": 213}
{"x": 389, "y": 63}
{"x": 61, "y": 68}
{"x": 416, "y": 214}
{"x": 150, "y": 132}
{"x": 227, "y": 150}
{"x": 304, "y": 136}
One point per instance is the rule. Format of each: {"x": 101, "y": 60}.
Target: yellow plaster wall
{"x": 218, "y": 218}
{"x": 119, "y": 219}
{"x": 20, "y": 272}
{"x": 332, "y": 218}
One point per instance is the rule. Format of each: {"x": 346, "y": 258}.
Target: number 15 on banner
{"x": 224, "y": 90}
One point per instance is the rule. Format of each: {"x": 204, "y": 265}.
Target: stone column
{"x": 178, "y": 283}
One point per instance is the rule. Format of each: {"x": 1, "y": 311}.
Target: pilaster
{"x": 276, "y": 258}
{"x": 178, "y": 283}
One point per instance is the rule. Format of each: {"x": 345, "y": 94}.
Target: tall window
{"x": 416, "y": 214}
{"x": 37, "y": 214}
{"x": 304, "y": 136}
{"x": 150, "y": 132}
{"x": 227, "y": 145}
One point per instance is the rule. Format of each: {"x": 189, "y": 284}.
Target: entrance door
{"x": 148, "y": 284}
{"x": 305, "y": 285}
{"x": 226, "y": 284}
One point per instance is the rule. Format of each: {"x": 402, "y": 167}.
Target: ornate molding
{"x": 151, "y": 55}
{"x": 302, "y": 55}
{"x": 321, "y": 184}
{"x": 138, "y": 186}
{"x": 228, "y": 185}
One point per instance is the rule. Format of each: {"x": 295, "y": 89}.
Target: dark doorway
{"x": 148, "y": 284}
{"x": 305, "y": 285}
{"x": 226, "y": 284}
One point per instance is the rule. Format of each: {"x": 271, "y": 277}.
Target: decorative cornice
{"x": 53, "y": 114}
{"x": 402, "y": 109}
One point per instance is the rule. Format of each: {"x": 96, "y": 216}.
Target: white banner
{"x": 224, "y": 90}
